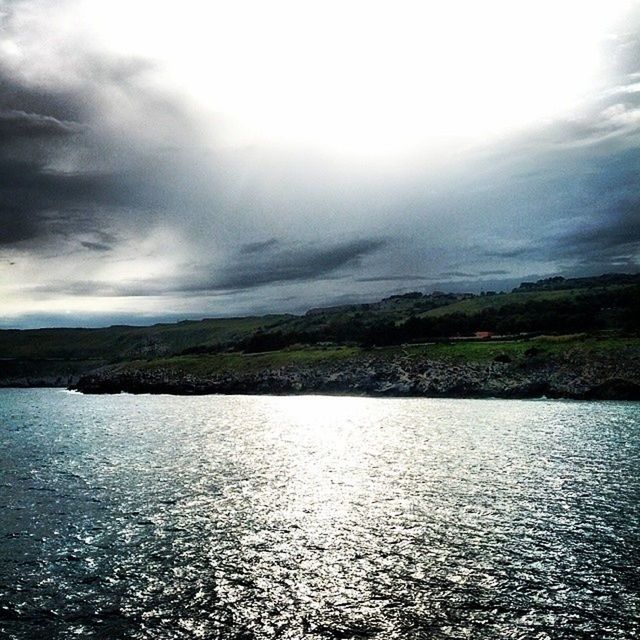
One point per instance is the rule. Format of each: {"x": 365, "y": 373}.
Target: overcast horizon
{"x": 162, "y": 162}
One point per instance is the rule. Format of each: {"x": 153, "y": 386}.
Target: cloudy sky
{"x": 167, "y": 161}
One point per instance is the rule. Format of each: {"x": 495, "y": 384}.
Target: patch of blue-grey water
{"x": 316, "y": 517}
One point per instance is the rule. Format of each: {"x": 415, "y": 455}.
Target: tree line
{"x": 583, "y": 313}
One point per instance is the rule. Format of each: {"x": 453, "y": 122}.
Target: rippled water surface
{"x": 308, "y": 517}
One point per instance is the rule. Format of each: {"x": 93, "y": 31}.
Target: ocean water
{"x": 313, "y": 517}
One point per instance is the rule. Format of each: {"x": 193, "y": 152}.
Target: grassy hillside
{"x": 122, "y": 342}
{"x": 601, "y": 306}
{"x": 477, "y": 304}
{"x": 203, "y": 364}
{"x": 495, "y": 301}
{"x": 518, "y": 350}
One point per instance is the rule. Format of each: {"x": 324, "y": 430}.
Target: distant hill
{"x": 609, "y": 303}
{"x": 558, "y": 283}
{"x": 121, "y": 342}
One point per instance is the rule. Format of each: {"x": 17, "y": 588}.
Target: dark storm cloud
{"x": 61, "y": 172}
{"x": 27, "y": 114}
{"x": 61, "y": 105}
{"x": 39, "y": 201}
{"x": 300, "y": 263}
{"x": 258, "y": 247}
{"x": 608, "y": 244}
{"x": 456, "y": 274}
{"x": 573, "y": 208}
{"x": 608, "y": 224}
{"x": 293, "y": 264}
{"x": 606, "y": 239}
{"x": 96, "y": 246}
{"x": 517, "y": 252}
{"x": 18, "y": 125}
{"x": 394, "y": 277}
{"x": 36, "y": 202}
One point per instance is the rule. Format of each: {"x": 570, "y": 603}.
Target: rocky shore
{"x": 566, "y": 376}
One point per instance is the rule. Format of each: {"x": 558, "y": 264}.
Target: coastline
{"x": 397, "y": 376}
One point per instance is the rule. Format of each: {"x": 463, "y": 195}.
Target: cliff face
{"x": 558, "y": 377}
{"x": 43, "y": 373}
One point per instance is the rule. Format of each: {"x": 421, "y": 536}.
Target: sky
{"x": 162, "y": 161}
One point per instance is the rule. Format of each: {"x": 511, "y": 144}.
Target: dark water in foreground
{"x": 306, "y": 517}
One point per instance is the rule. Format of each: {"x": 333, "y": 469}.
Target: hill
{"x": 607, "y": 305}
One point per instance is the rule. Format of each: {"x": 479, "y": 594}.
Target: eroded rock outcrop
{"x": 566, "y": 376}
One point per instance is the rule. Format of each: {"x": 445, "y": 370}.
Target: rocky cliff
{"x": 564, "y": 376}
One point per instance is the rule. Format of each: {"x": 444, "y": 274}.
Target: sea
{"x": 310, "y": 517}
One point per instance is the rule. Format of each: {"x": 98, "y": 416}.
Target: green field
{"x": 543, "y": 346}
{"x": 480, "y": 303}
{"x": 245, "y": 363}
